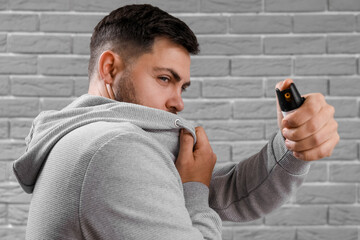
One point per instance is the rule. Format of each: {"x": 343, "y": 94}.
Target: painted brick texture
{"x": 247, "y": 46}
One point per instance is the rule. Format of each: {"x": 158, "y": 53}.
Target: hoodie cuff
{"x": 196, "y": 195}
{"x": 286, "y": 159}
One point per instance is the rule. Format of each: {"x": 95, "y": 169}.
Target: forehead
{"x": 167, "y": 55}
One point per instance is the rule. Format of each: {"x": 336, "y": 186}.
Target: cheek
{"x": 150, "y": 94}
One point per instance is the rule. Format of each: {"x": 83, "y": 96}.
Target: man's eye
{"x": 164, "y": 79}
{"x": 183, "y": 89}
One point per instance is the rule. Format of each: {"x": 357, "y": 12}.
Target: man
{"x": 112, "y": 165}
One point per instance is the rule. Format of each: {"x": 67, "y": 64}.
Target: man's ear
{"x": 109, "y": 65}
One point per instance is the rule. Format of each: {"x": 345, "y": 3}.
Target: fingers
{"x": 310, "y": 108}
{"x": 186, "y": 145}
{"x": 312, "y": 126}
{"x": 284, "y": 84}
{"x": 324, "y": 150}
{"x": 314, "y": 140}
{"x": 202, "y": 139}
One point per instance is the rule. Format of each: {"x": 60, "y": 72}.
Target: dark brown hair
{"x": 130, "y": 31}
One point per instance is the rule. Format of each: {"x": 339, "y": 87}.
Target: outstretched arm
{"x": 260, "y": 184}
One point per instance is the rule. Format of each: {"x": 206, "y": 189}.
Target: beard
{"x": 125, "y": 91}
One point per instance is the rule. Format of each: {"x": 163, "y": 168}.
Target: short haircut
{"x": 130, "y": 31}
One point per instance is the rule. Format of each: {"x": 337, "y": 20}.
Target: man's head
{"x": 141, "y": 41}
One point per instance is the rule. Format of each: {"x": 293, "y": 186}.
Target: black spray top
{"x": 290, "y": 98}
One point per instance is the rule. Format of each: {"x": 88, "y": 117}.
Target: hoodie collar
{"x": 51, "y": 126}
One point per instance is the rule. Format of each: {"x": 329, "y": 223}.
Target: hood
{"x": 50, "y": 126}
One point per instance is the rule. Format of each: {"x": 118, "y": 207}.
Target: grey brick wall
{"x": 247, "y": 46}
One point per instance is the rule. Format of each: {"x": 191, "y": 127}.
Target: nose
{"x": 175, "y": 103}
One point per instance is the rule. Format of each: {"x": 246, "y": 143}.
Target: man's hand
{"x": 311, "y": 130}
{"x": 195, "y": 164}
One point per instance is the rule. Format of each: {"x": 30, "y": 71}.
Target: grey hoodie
{"x": 101, "y": 169}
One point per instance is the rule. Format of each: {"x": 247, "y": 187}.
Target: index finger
{"x": 311, "y": 106}
{"x": 202, "y": 139}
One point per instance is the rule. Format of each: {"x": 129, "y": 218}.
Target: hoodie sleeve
{"x": 132, "y": 190}
{"x": 258, "y": 185}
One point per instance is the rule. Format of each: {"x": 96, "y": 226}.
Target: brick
{"x": 222, "y": 151}
{"x": 344, "y": 150}
{"x": 260, "y": 66}
{"x": 325, "y": 66}
{"x": 206, "y": 109}
{"x": 344, "y": 215}
{"x": 344, "y": 5}
{"x": 18, "y": 22}
{"x": 294, "y": 45}
{"x": 4, "y": 172}
{"x": 3, "y": 4}
{"x": 4, "y": 128}
{"x": 271, "y": 127}
{"x": 25, "y": 43}
{"x": 229, "y": 45}
{"x": 81, "y": 85}
{"x": 54, "y": 103}
{"x": 4, "y": 85}
{"x": 19, "y": 107}
{"x": 12, "y": 233}
{"x": 304, "y": 85}
{"x": 11, "y": 192}
{"x": 41, "y": 86}
{"x": 345, "y": 172}
{"x": 63, "y": 65}
{"x": 81, "y": 44}
{"x": 345, "y": 86}
{"x": 231, "y": 6}
{"x": 232, "y": 88}
{"x": 3, "y": 42}
{"x": 255, "y": 109}
{"x": 233, "y": 130}
{"x": 96, "y": 6}
{"x": 344, "y": 44}
{"x": 20, "y": 128}
{"x": 318, "y": 173}
{"x": 79, "y": 22}
{"x": 10, "y": 173}
{"x": 173, "y": 5}
{"x": 210, "y": 67}
{"x": 11, "y": 150}
{"x": 343, "y": 107}
{"x": 3, "y": 214}
{"x": 323, "y": 23}
{"x": 326, "y": 194}
{"x": 18, "y": 64}
{"x": 38, "y": 5}
{"x": 260, "y": 24}
{"x": 18, "y": 214}
{"x": 166, "y": 5}
{"x": 349, "y": 129}
{"x": 301, "y": 215}
{"x": 244, "y": 150}
{"x": 327, "y": 233}
{"x": 295, "y": 5}
{"x": 266, "y": 233}
{"x": 194, "y": 91}
{"x": 206, "y": 24}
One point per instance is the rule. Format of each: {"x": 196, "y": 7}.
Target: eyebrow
{"x": 173, "y": 73}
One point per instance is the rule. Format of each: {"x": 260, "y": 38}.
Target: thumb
{"x": 186, "y": 144}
